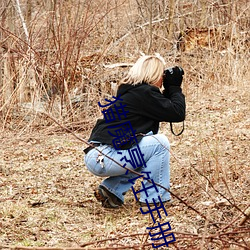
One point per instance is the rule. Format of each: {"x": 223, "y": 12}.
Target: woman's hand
{"x": 173, "y": 77}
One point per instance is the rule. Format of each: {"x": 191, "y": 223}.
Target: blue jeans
{"x": 156, "y": 157}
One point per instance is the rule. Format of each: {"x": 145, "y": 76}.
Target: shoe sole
{"x": 103, "y": 197}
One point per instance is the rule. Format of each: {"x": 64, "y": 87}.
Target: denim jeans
{"x": 155, "y": 150}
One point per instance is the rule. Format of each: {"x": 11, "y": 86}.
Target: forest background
{"x": 58, "y": 59}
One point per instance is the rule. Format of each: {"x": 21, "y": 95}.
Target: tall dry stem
{"x": 171, "y": 19}
{"x": 150, "y": 10}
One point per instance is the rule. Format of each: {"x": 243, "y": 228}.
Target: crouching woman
{"x": 128, "y": 134}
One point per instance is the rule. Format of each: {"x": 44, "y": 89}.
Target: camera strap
{"x": 172, "y": 130}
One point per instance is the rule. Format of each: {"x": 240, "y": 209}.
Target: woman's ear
{"x": 159, "y": 83}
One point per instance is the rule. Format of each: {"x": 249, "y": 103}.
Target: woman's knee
{"x": 157, "y": 140}
{"x": 162, "y": 139}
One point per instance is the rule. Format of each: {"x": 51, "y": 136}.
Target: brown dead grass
{"x": 46, "y": 193}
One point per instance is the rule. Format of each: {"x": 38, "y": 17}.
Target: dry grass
{"x": 46, "y": 192}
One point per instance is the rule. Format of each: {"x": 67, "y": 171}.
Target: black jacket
{"x": 145, "y": 105}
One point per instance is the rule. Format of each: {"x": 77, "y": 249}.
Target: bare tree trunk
{"x": 2, "y": 9}
{"x": 6, "y": 76}
{"x": 233, "y": 16}
{"x": 8, "y": 87}
{"x": 171, "y": 20}
{"x": 20, "y": 13}
{"x": 181, "y": 19}
{"x": 203, "y": 20}
{"x": 28, "y": 13}
{"x": 27, "y": 91}
{"x": 150, "y": 9}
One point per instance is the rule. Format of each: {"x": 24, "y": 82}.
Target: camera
{"x": 168, "y": 73}
{"x": 171, "y": 70}
{"x": 173, "y": 76}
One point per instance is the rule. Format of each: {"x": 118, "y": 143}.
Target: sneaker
{"x": 107, "y": 199}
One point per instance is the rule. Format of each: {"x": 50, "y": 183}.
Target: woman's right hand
{"x": 173, "y": 77}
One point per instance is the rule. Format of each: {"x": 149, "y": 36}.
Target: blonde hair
{"x": 148, "y": 69}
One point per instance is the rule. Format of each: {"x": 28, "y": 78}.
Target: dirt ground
{"x": 46, "y": 192}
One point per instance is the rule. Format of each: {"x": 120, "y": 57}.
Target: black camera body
{"x": 169, "y": 70}
{"x": 173, "y": 76}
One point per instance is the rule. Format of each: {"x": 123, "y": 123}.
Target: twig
{"x": 246, "y": 217}
{"x": 111, "y": 66}
{"x": 109, "y": 239}
{"x": 223, "y": 179}
{"x": 233, "y": 221}
{"x": 236, "y": 244}
{"x": 19, "y": 11}
{"x": 234, "y": 205}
